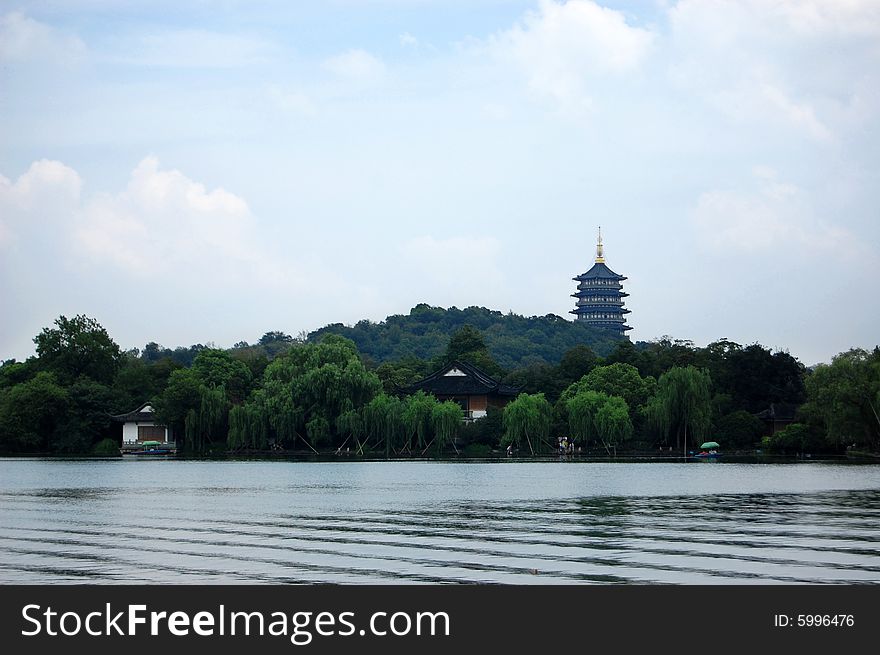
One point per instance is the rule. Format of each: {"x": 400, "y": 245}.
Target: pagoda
{"x": 600, "y": 296}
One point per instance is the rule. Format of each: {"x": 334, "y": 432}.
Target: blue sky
{"x": 204, "y": 172}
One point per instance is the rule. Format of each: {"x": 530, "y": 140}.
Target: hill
{"x": 514, "y": 341}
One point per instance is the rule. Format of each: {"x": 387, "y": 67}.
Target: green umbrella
{"x": 710, "y": 444}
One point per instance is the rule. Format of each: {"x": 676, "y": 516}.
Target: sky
{"x": 205, "y": 172}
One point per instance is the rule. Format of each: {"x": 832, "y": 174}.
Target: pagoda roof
{"x": 143, "y": 413}
{"x": 599, "y": 271}
{"x": 461, "y": 379}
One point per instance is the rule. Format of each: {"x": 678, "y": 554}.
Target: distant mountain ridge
{"x": 514, "y": 341}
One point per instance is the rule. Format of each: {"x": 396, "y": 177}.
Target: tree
{"x": 844, "y": 398}
{"x": 325, "y": 379}
{"x": 795, "y": 438}
{"x": 217, "y": 368}
{"x": 583, "y": 409}
{"x": 274, "y": 337}
{"x": 384, "y": 422}
{"x": 180, "y": 396}
{"x": 613, "y": 424}
{"x": 85, "y": 419}
{"x": 445, "y": 422}
{"x": 78, "y": 346}
{"x": 682, "y": 405}
{"x": 622, "y": 380}
{"x": 418, "y": 415}
{"x": 467, "y": 345}
{"x": 527, "y": 418}
{"x": 739, "y": 428}
{"x": 30, "y": 412}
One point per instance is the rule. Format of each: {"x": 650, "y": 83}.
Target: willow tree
{"x": 445, "y": 422}
{"x": 582, "y": 410}
{"x": 383, "y": 421}
{"x": 351, "y": 425}
{"x": 613, "y": 424}
{"x": 528, "y": 417}
{"x": 418, "y": 416}
{"x": 207, "y": 423}
{"x": 683, "y": 404}
{"x": 323, "y": 380}
{"x": 248, "y": 427}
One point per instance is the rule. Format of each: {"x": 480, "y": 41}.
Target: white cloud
{"x": 356, "y": 64}
{"x": 163, "y": 227}
{"x": 166, "y": 225}
{"x": 561, "y": 46}
{"x": 408, "y": 40}
{"x": 25, "y": 39}
{"x": 38, "y": 199}
{"x": 195, "y": 48}
{"x": 775, "y": 217}
{"x": 801, "y": 66}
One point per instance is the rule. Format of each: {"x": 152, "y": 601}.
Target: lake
{"x": 176, "y": 521}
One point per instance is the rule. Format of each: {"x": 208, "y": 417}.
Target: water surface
{"x": 121, "y": 521}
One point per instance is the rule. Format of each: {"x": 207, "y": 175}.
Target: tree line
{"x": 320, "y": 393}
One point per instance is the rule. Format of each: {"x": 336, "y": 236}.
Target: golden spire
{"x": 600, "y": 259}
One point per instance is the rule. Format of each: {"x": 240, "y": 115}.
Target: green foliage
{"x": 106, "y": 447}
{"x": 528, "y": 419}
{"x": 682, "y": 405}
{"x": 78, "y": 347}
{"x": 215, "y": 368}
{"x": 418, "y": 416}
{"x": 738, "y": 429}
{"x": 476, "y": 450}
{"x": 613, "y": 424}
{"x": 181, "y": 396}
{"x": 511, "y": 340}
{"x": 795, "y": 439}
{"x": 487, "y": 431}
{"x": 318, "y": 431}
{"x": 445, "y": 422}
{"x": 384, "y": 422}
{"x": 86, "y": 419}
{"x": 582, "y": 410}
{"x": 30, "y": 412}
{"x": 402, "y": 373}
{"x": 248, "y": 426}
{"x": 844, "y": 398}
{"x": 13, "y": 372}
{"x": 622, "y": 380}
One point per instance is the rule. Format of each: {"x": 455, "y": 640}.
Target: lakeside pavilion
{"x": 471, "y": 388}
{"x": 140, "y": 426}
{"x": 600, "y": 296}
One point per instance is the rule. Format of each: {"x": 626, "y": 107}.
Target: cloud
{"x": 164, "y": 224}
{"x": 24, "y": 39}
{"x": 163, "y": 227}
{"x": 803, "y": 66}
{"x": 408, "y": 40}
{"x": 561, "y": 46}
{"x": 356, "y": 64}
{"x": 196, "y": 48}
{"x": 45, "y": 192}
{"x": 776, "y": 217}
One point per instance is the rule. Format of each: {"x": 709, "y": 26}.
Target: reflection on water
{"x": 121, "y": 522}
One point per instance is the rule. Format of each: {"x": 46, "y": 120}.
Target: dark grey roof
{"x": 473, "y": 382}
{"x": 599, "y": 270}
{"x": 778, "y": 412}
{"x": 135, "y": 415}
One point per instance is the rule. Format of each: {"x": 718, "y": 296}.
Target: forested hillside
{"x": 513, "y": 341}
